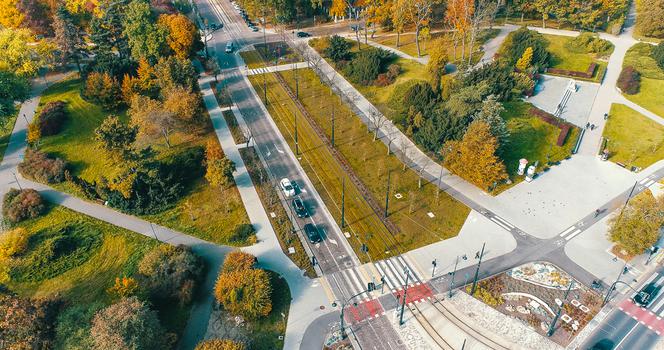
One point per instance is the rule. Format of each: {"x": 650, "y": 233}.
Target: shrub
{"x": 128, "y": 324}
{"x": 629, "y": 80}
{"x": 517, "y": 42}
{"x": 37, "y": 166}
{"x": 50, "y": 119}
{"x": 364, "y": 67}
{"x": 658, "y": 54}
{"x": 168, "y": 272}
{"x": 103, "y": 89}
{"x": 383, "y": 79}
{"x": 238, "y": 261}
{"x": 13, "y": 242}
{"x": 338, "y": 49}
{"x": 26, "y": 323}
{"x": 19, "y": 205}
{"x": 242, "y": 232}
{"x": 220, "y": 344}
{"x": 246, "y": 293}
{"x": 589, "y": 43}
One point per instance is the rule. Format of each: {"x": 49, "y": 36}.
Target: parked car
{"x": 312, "y": 233}
{"x": 303, "y": 34}
{"x": 229, "y": 47}
{"x": 254, "y": 28}
{"x": 647, "y": 294}
{"x": 300, "y": 209}
{"x": 287, "y": 187}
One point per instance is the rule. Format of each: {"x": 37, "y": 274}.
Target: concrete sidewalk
{"x": 399, "y": 53}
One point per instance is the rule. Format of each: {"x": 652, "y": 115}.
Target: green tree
{"x": 474, "y": 157}
{"x": 437, "y": 61}
{"x": 114, "y": 136}
{"x": 490, "y": 113}
{"x": 12, "y": 88}
{"x": 338, "y": 49}
{"x": 67, "y": 37}
{"x": 145, "y": 38}
{"x": 127, "y": 324}
{"x": 658, "y": 54}
{"x": 171, "y": 273}
{"x": 245, "y": 292}
{"x": 639, "y": 225}
{"x": 107, "y": 30}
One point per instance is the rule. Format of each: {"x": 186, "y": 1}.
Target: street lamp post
{"x": 613, "y": 285}
{"x": 343, "y": 303}
{"x": 477, "y": 270}
{"x": 456, "y": 263}
{"x": 552, "y": 327}
{"x": 433, "y": 268}
{"x": 403, "y": 298}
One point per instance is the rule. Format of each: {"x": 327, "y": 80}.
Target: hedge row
{"x": 551, "y": 119}
{"x": 588, "y": 74}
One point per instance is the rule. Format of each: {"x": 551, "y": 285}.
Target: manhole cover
{"x": 322, "y": 307}
{"x": 348, "y": 264}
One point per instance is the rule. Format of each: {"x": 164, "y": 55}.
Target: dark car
{"x": 647, "y": 294}
{"x": 299, "y": 208}
{"x": 303, "y": 34}
{"x": 312, "y": 233}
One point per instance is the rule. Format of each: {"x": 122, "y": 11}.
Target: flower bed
{"x": 588, "y": 74}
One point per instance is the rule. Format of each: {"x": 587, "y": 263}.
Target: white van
{"x": 229, "y": 47}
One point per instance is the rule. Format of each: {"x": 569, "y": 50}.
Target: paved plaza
{"x": 550, "y": 90}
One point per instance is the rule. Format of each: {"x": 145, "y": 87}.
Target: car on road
{"x": 303, "y": 34}
{"x": 300, "y": 209}
{"x": 287, "y": 187}
{"x": 312, "y": 233}
{"x": 229, "y": 47}
{"x": 647, "y": 294}
{"x": 254, "y": 28}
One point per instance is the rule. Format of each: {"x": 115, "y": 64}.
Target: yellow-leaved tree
{"x": 526, "y": 59}
{"x": 183, "y": 37}
{"x": 474, "y": 157}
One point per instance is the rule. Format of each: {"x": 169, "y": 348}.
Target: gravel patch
{"x": 511, "y": 329}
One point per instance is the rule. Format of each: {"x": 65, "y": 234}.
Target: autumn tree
{"x": 438, "y": 60}
{"x": 650, "y": 19}
{"x": 457, "y": 16}
{"x": 123, "y": 287}
{"x": 19, "y": 205}
{"x": 418, "y": 12}
{"x": 145, "y": 38}
{"x": 26, "y": 323}
{"x": 238, "y": 260}
{"x": 400, "y": 10}
{"x": 37, "y": 16}
{"x": 219, "y": 172}
{"x": 10, "y": 16}
{"x": 474, "y": 157}
{"x": 489, "y": 113}
{"x": 127, "y": 324}
{"x": 246, "y": 293}
{"x": 103, "y": 89}
{"x": 220, "y": 344}
{"x": 638, "y": 227}
{"x": 524, "y": 62}
{"x": 545, "y": 8}
{"x": 152, "y": 119}
{"x": 338, "y": 8}
{"x": 183, "y": 37}
{"x": 185, "y": 105}
{"x": 115, "y": 136}
{"x": 22, "y": 54}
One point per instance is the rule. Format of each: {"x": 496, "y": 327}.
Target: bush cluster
{"x": 518, "y": 41}
{"x": 19, "y": 205}
{"x": 589, "y": 43}
{"x": 48, "y": 122}
{"x": 13, "y": 242}
{"x": 242, "y": 289}
{"x": 103, "y": 89}
{"x": 26, "y": 323}
{"x": 366, "y": 65}
{"x": 38, "y": 166}
{"x": 629, "y": 80}
{"x": 658, "y": 54}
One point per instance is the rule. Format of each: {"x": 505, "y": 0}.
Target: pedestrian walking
{"x": 587, "y": 125}
{"x": 592, "y": 126}
{"x": 597, "y": 212}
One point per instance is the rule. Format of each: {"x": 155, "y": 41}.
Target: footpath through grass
{"x": 96, "y": 253}
{"x": 369, "y": 160}
{"x": 632, "y": 138}
{"x": 205, "y": 212}
{"x": 533, "y": 139}
{"x": 652, "y": 78}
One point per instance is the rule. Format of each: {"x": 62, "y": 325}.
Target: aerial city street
{"x": 332, "y": 174}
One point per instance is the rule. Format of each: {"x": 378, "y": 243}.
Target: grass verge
{"x": 533, "y": 139}
{"x": 272, "y": 204}
{"x": 236, "y": 131}
{"x": 200, "y": 212}
{"x": 632, "y": 138}
{"x": 6, "y": 128}
{"x": 81, "y": 276}
{"x": 370, "y": 161}
{"x": 652, "y": 78}
{"x": 563, "y": 58}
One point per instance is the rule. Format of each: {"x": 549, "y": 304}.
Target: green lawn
{"x": 532, "y": 138}
{"x": 6, "y": 128}
{"x": 563, "y": 58}
{"x": 408, "y": 46}
{"x": 205, "y": 211}
{"x": 652, "y": 78}
{"x": 97, "y": 253}
{"x": 252, "y": 59}
{"x": 633, "y": 139}
{"x": 371, "y": 163}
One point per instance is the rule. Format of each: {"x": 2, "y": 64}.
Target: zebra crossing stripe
{"x": 412, "y": 267}
{"x": 357, "y": 286}
{"x": 500, "y": 224}
{"x": 391, "y": 275}
{"x": 567, "y": 231}
{"x": 396, "y": 272}
{"x": 576, "y": 232}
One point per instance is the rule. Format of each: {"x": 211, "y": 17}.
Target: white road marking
{"x": 567, "y": 231}
{"x": 500, "y": 224}
{"x": 578, "y": 230}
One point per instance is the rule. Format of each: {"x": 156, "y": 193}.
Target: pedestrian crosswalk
{"x": 389, "y": 276}
{"x": 570, "y": 232}
{"x": 261, "y": 70}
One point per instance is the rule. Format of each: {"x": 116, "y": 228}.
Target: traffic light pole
{"x": 403, "y": 299}
{"x": 453, "y": 274}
